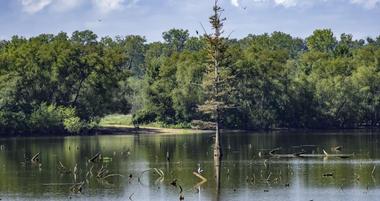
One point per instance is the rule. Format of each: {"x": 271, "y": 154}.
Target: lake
{"x": 156, "y": 167}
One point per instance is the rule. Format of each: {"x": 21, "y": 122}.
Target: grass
{"x": 124, "y": 123}
{"x": 116, "y": 119}
{"x": 126, "y": 120}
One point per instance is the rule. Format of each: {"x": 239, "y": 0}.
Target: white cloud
{"x": 235, "y": 3}
{"x": 106, "y": 6}
{"x": 286, "y": 3}
{"x": 367, "y": 3}
{"x": 63, "y": 5}
{"x": 33, "y": 6}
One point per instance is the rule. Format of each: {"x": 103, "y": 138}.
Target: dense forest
{"x": 65, "y": 83}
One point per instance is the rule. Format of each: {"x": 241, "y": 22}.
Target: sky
{"x": 152, "y": 17}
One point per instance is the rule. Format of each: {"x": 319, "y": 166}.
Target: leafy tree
{"x": 176, "y": 39}
{"x": 47, "y": 72}
{"x": 67, "y": 83}
{"x": 322, "y": 40}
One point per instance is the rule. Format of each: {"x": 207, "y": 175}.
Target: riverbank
{"x": 126, "y": 120}
{"x": 122, "y": 125}
{"x": 125, "y": 129}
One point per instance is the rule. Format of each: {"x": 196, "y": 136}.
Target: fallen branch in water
{"x": 200, "y": 176}
{"x": 59, "y": 184}
{"x": 130, "y": 197}
{"x": 157, "y": 170}
{"x": 90, "y": 171}
{"x": 95, "y": 158}
{"x": 141, "y": 174}
{"x": 113, "y": 175}
{"x": 177, "y": 185}
{"x": 63, "y": 169}
{"x": 270, "y": 174}
{"x": 338, "y": 148}
{"x": 36, "y": 158}
{"x": 77, "y": 188}
{"x": 328, "y": 174}
{"x": 305, "y": 145}
{"x": 273, "y": 154}
{"x": 102, "y": 172}
{"x": 337, "y": 155}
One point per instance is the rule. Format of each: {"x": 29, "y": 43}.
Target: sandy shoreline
{"x": 123, "y": 129}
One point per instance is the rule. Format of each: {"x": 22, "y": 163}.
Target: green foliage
{"x": 60, "y": 83}
{"x": 47, "y": 118}
{"x": 176, "y": 39}
{"x": 281, "y": 81}
{"x": 142, "y": 117}
{"x": 322, "y": 40}
{"x": 41, "y": 75}
{"x": 73, "y": 124}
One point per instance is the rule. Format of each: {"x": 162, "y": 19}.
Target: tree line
{"x": 61, "y": 83}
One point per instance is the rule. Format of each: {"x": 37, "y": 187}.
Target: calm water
{"x": 246, "y": 172}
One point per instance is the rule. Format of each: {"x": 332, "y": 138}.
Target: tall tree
{"x": 176, "y": 39}
{"x": 322, "y": 40}
{"x": 217, "y": 76}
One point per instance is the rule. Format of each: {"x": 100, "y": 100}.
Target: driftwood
{"x": 304, "y": 146}
{"x": 61, "y": 168}
{"x": 130, "y": 197}
{"x": 273, "y": 154}
{"x": 59, "y": 184}
{"x": 75, "y": 170}
{"x": 337, "y": 155}
{"x": 177, "y": 185}
{"x": 338, "y": 148}
{"x": 77, "y": 188}
{"x": 330, "y": 174}
{"x": 141, "y": 174}
{"x": 36, "y": 158}
{"x": 203, "y": 180}
{"x": 113, "y": 175}
{"x": 102, "y": 172}
{"x": 200, "y": 176}
{"x": 95, "y": 158}
{"x": 160, "y": 173}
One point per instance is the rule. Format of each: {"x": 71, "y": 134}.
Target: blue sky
{"x": 152, "y": 17}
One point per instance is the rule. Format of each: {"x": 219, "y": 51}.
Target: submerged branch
{"x": 95, "y": 158}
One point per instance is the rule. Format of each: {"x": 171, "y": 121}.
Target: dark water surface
{"x": 246, "y": 172}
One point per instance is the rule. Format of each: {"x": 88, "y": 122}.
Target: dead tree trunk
{"x": 217, "y": 146}
{"x": 217, "y": 166}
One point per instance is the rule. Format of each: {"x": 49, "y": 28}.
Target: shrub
{"x": 73, "y": 124}
{"x": 142, "y": 117}
{"x": 12, "y": 121}
{"x": 45, "y": 117}
{"x": 55, "y": 118}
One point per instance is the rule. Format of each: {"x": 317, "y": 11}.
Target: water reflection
{"x": 242, "y": 175}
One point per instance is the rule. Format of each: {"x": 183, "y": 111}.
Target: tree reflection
{"x": 217, "y": 166}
